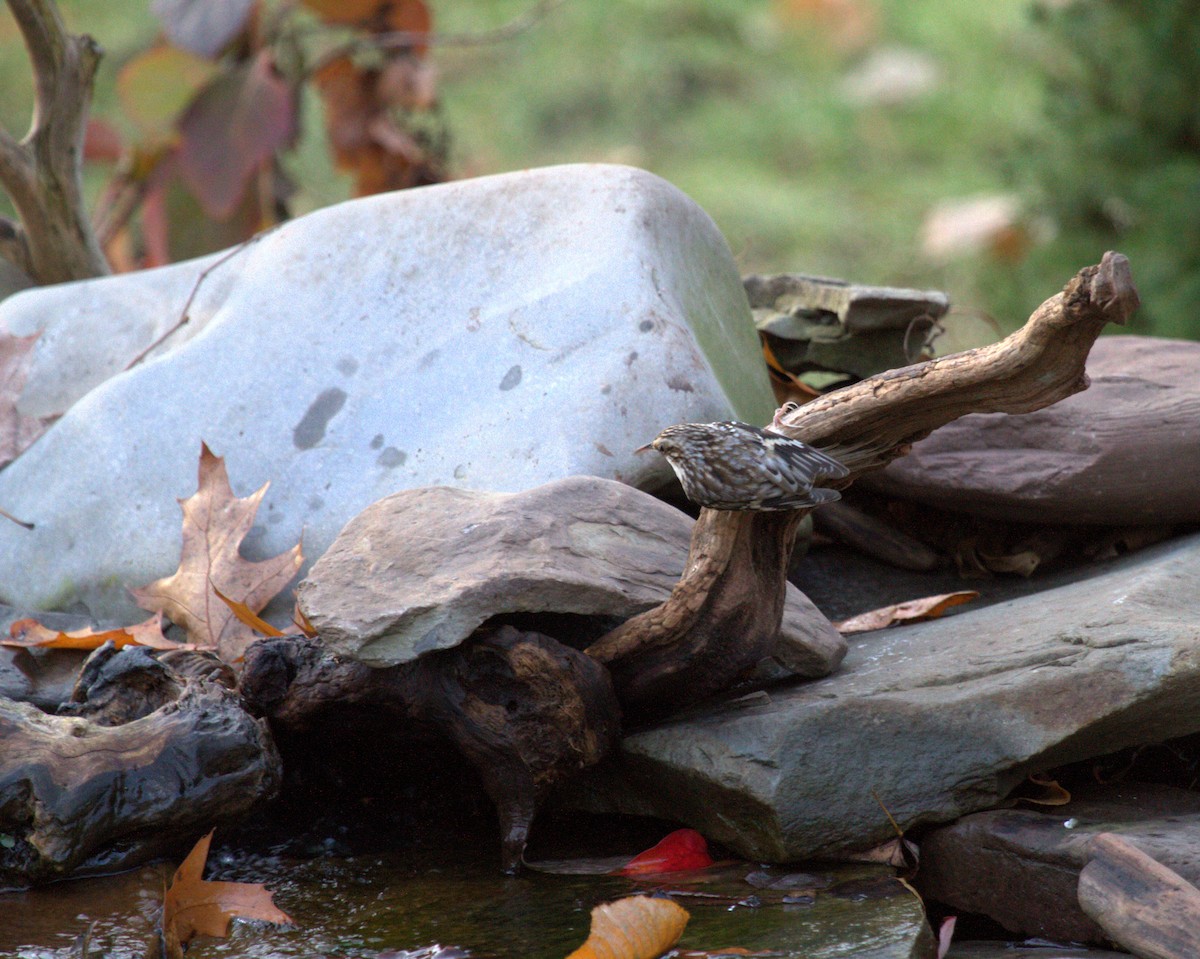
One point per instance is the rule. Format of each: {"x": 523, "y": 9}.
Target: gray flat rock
{"x": 421, "y": 570}
{"x": 486, "y": 334}
{"x": 936, "y": 719}
{"x": 1021, "y": 866}
{"x": 1124, "y": 452}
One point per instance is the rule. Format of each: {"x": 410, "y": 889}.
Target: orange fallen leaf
{"x": 635, "y": 928}
{"x": 1043, "y": 791}
{"x": 214, "y": 524}
{"x": 928, "y": 607}
{"x": 677, "y": 851}
{"x": 193, "y": 907}
{"x": 301, "y": 622}
{"x": 786, "y": 385}
{"x": 247, "y": 617}
{"x": 30, "y": 633}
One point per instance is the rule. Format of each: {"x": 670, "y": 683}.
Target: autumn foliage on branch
{"x": 214, "y": 107}
{"x": 216, "y": 103}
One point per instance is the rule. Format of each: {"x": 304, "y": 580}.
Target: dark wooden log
{"x": 524, "y": 710}
{"x": 80, "y": 797}
{"x": 723, "y": 616}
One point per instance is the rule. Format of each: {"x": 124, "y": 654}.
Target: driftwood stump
{"x": 723, "y": 616}
{"x": 150, "y": 761}
{"x": 523, "y": 709}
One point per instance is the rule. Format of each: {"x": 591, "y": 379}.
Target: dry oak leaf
{"x": 17, "y": 431}
{"x": 635, "y": 928}
{"x": 214, "y": 524}
{"x": 193, "y": 907}
{"x": 912, "y": 611}
{"x": 29, "y": 633}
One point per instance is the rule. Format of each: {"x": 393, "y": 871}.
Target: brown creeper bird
{"x": 738, "y": 466}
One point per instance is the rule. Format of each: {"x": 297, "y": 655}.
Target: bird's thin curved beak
{"x": 642, "y": 449}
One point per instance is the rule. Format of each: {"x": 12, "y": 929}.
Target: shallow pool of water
{"x": 348, "y": 902}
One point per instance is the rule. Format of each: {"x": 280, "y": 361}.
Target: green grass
{"x": 740, "y": 105}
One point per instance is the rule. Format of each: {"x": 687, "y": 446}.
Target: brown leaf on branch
{"x": 638, "y": 927}
{"x": 31, "y": 633}
{"x": 193, "y": 907}
{"x": 378, "y": 16}
{"x": 17, "y": 431}
{"x": 157, "y": 85}
{"x": 366, "y": 138}
{"x": 355, "y": 12}
{"x": 232, "y": 128}
{"x": 914, "y": 610}
{"x": 214, "y": 524}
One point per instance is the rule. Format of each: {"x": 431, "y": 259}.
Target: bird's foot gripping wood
{"x": 724, "y": 614}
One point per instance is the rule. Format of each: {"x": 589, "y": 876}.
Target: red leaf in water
{"x": 682, "y": 849}
{"x": 231, "y": 129}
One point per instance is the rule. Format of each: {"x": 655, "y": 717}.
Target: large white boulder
{"x": 490, "y": 334}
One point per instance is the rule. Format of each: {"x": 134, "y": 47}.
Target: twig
{"x": 122, "y": 197}
{"x": 184, "y": 318}
{"x": 408, "y": 38}
{"x": 20, "y": 522}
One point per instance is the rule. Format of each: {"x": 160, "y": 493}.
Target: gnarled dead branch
{"x": 723, "y": 616}
{"x": 43, "y": 172}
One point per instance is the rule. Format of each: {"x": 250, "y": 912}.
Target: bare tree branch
{"x": 408, "y": 38}
{"x": 43, "y": 173}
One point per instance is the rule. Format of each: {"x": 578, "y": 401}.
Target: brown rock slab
{"x": 1021, "y": 866}
{"x": 422, "y": 569}
{"x": 1124, "y": 452}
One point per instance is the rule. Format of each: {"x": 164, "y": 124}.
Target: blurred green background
{"x": 985, "y": 149}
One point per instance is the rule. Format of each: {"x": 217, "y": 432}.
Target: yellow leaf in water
{"x": 635, "y": 928}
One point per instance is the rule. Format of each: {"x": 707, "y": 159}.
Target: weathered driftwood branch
{"x": 42, "y": 174}
{"x": 723, "y": 616}
{"x": 149, "y": 762}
